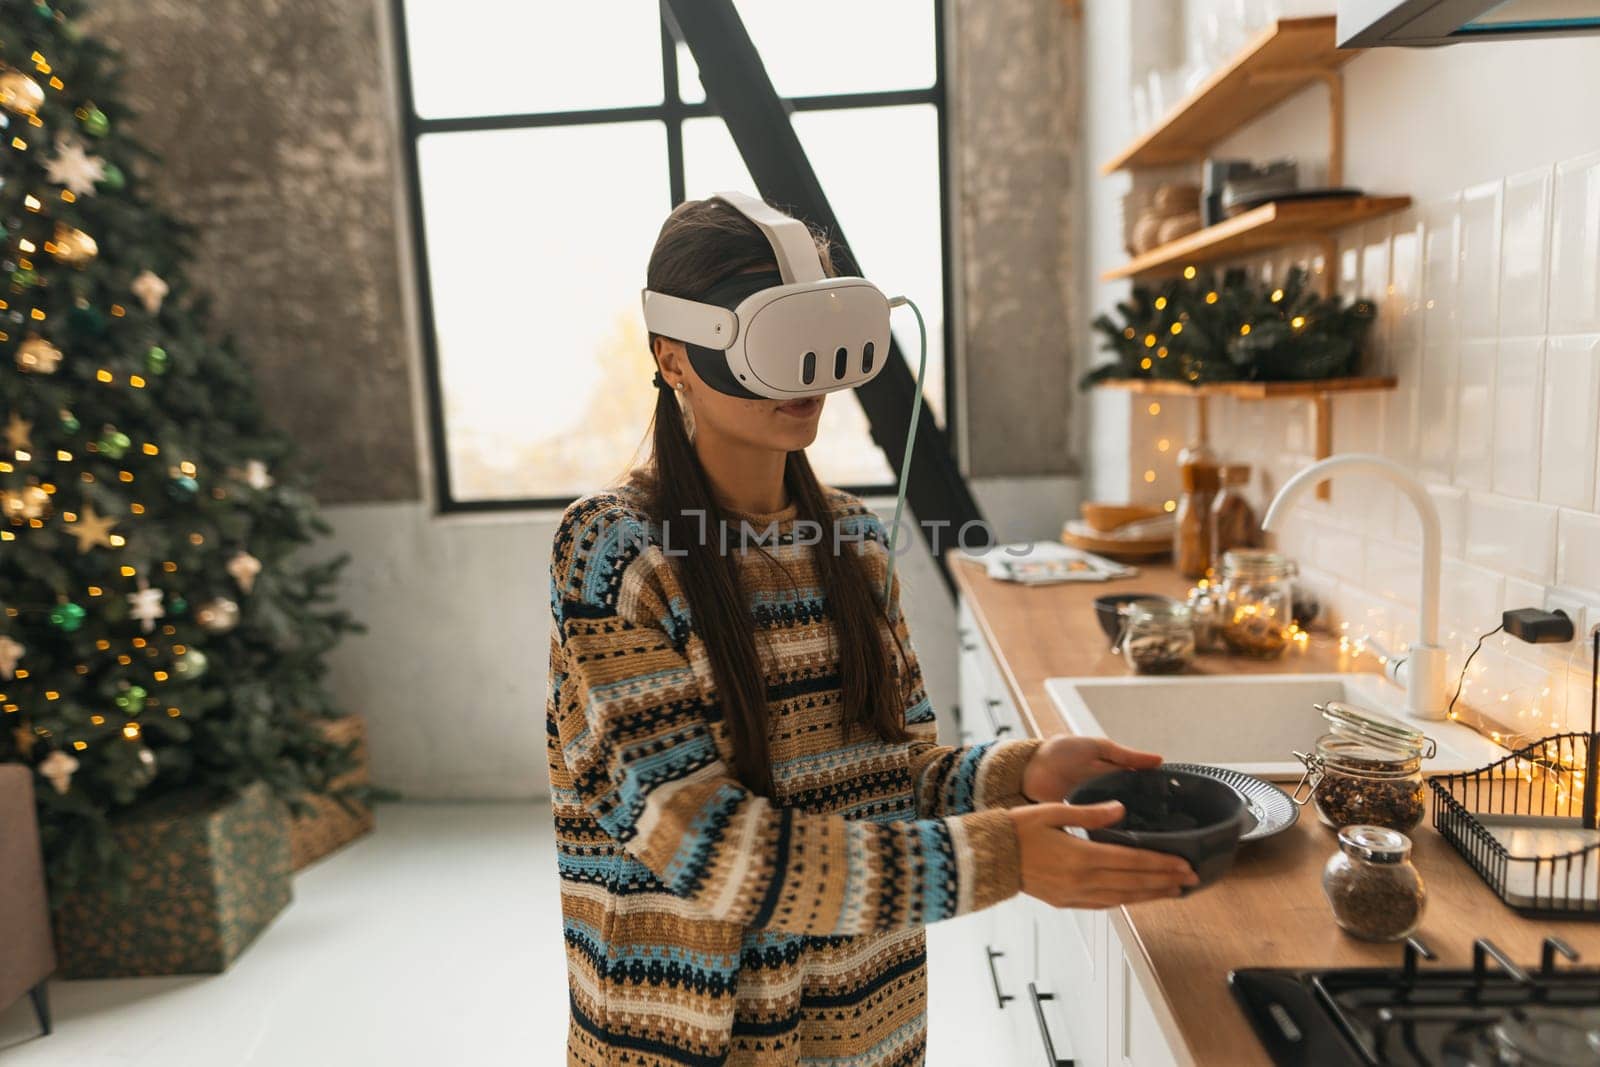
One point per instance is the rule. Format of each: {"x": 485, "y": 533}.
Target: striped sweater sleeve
{"x": 635, "y": 728}
{"x": 949, "y": 780}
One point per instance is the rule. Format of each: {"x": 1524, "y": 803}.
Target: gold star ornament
{"x": 17, "y": 431}
{"x": 92, "y": 529}
{"x": 24, "y": 738}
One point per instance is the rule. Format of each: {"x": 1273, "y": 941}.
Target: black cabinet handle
{"x": 1038, "y": 998}
{"x": 1000, "y": 999}
{"x": 989, "y": 704}
{"x": 1000, "y": 729}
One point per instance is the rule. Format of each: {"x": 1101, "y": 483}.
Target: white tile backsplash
{"x": 1571, "y": 402}
{"x": 1489, "y": 317}
{"x": 1525, "y": 254}
{"x": 1515, "y": 537}
{"x": 1436, "y": 408}
{"x": 1518, "y": 414}
{"x": 1578, "y": 565}
{"x": 1402, "y": 296}
{"x": 1478, "y": 258}
{"x": 1575, "y": 247}
{"x": 1441, "y": 262}
{"x": 1475, "y": 413}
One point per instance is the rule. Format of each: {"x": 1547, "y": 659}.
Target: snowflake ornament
{"x": 145, "y": 605}
{"x": 10, "y": 651}
{"x": 75, "y": 168}
{"x": 150, "y": 289}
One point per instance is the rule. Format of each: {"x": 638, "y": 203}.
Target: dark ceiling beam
{"x": 738, "y": 89}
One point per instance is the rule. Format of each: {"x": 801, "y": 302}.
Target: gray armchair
{"x": 29, "y": 957}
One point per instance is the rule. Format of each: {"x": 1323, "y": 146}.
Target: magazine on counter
{"x": 1047, "y": 562}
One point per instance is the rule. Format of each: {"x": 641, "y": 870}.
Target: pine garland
{"x": 1200, "y": 330}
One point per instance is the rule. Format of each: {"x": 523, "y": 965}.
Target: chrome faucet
{"x": 1421, "y": 668}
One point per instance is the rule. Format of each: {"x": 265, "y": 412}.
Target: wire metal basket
{"x": 1520, "y": 823}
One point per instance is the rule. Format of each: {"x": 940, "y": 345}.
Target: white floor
{"x": 435, "y": 941}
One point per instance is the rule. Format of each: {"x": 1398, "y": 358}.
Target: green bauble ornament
{"x": 89, "y": 319}
{"x": 95, "y": 123}
{"x": 157, "y": 359}
{"x": 70, "y": 423}
{"x": 113, "y": 444}
{"x": 68, "y": 616}
{"x": 23, "y": 277}
{"x": 183, "y": 487}
{"x": 131, "y": 700}
{"x": 177, "y": 606}
{"x": 112, "y": 177}
{"x": 42, "y": 9}
{"x": 191, "y": 665}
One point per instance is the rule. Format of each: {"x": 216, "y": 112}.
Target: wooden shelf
{"x": 1252, "y": 390}
{"x": 1273, "y": 225}
{"x": 1320, "y": 391}
{"x": 1280, "y": 61}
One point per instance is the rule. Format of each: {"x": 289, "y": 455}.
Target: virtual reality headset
{"x": 778, "y": 335}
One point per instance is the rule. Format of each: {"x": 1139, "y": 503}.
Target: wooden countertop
{"x": 1269, "y": 911}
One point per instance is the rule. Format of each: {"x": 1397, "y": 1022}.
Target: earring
{"x": 686, "y": 411}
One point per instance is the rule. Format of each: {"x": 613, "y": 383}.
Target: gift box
{"x": 329, "y": 825}
{"x": 210, "y": 871}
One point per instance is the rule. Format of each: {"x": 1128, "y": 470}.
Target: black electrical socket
{"x": 1538, "y": 627}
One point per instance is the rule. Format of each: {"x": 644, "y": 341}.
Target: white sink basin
{"x": 1252, "y": 723}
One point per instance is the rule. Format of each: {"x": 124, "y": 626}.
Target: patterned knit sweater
{"x": 705, "y": 924}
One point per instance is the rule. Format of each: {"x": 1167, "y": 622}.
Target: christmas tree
{"x": 154, "y": 633}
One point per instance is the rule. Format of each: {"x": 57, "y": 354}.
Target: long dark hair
{"x": 702, "y": 242}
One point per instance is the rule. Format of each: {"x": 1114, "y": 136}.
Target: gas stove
{"x": 1497, "y": 1013}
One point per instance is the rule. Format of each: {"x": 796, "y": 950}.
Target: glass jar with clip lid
{"x": 1257, "y": 601}
{"x": 1367, "y": 769}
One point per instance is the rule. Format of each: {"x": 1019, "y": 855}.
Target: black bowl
{"x": 1108, "y": 610}
{"x": 1176, "y": 812}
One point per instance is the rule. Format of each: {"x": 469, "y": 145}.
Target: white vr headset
{"x": 778, "y": 335}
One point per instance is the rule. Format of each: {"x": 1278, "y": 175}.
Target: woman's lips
{"x": 802, "y": 408}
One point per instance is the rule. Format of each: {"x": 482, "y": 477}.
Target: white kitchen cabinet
{"x": 1070, "y": 969}
{"x": 1059, "y": 983}
{"x": 1003, "y": 936}
{"x": 1136, "y": 1036}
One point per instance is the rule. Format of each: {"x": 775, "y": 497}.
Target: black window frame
{"x": 671, "y": 112}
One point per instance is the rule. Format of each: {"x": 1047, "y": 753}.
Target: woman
{"x": 754, "y": 818}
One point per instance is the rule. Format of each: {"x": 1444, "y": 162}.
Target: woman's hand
{"x": 1066, "y": 871}
{"x": 1061, "y": 764}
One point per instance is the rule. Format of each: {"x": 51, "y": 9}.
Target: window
{"x": 544, "y": 150}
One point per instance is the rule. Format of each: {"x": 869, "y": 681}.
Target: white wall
{"x": 1489, "y": 290}
{"x": 451, "y": 677}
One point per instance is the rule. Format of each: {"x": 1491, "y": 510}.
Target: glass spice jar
{"x": 1191, "y": 546}
{"x": 1257, "y": 601}
{"x": 1374, "y": 890}
{"x": 1367, "y": 769}
{"x": 1233, "y": 520}
{"x": 1157, "y": 636}
{"x": 1205, "y": 610}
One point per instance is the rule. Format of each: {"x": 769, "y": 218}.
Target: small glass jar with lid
{"x": 1374, "y": 890}
{"x": 1157, "y": 636}
{"x": 1367, "y": 769}
{"x": 1257, "y": 601}
{"x": 1205, "y": 609}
